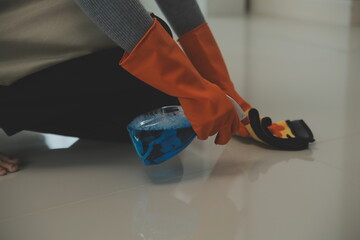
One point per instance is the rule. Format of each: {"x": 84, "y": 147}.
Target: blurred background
{"x": 341, "y": 12}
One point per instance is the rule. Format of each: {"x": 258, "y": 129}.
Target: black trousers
{"x": 87, "y": 97}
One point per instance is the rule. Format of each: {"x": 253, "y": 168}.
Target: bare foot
{"x": 8, "y": 164}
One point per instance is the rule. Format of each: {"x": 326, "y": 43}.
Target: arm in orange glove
{"x": 203, "y": 51}
{"x": 159, "y": 61}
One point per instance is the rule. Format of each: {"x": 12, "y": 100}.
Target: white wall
{"x": 340, "y": 12}
{"x": 225, "y": 7}
{"x": 355, "y": 13}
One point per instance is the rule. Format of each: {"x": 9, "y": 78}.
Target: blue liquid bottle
{"x": 160, "y": 134}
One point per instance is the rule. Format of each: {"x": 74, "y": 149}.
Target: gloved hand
{"x": 200, "y": 46}
{"x": 159, "y": 61}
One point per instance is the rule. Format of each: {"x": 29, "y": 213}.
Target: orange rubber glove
{"x": 200, "y": 46}
{"x": 158, "y": 61}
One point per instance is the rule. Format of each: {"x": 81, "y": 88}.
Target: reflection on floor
{"x": 79, "y": 189}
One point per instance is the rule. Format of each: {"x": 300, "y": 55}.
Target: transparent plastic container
{"x": 160, "y": 134}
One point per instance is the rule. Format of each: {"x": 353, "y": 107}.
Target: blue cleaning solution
{"x": 160, "y": 134}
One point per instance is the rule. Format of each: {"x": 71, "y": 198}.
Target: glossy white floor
{"x": 288, "y": 70}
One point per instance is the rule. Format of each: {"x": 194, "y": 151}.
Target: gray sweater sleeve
{"x": 124, "y": 21}
{"x": 183, "y": 15}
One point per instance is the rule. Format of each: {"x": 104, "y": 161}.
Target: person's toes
{"x": 8, "y": 166}
{"x": 2, "y": 171}
{"x": 13, "y": 160}
{"x": 9, "y": 163}
{"x": 13, "y": 168}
